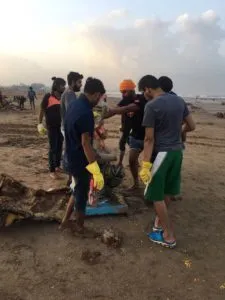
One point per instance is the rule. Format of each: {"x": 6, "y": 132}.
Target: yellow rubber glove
{"x": 96, "y": 114}
{"x": 94, "y": 169}
{"x": 145, "y": 173}
{"x": 41, "y": 129}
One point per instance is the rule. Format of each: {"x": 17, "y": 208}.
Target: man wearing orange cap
{"x": 127, "y": 89}
{"x": 132, "y": 110}
{"x": 131, "y": 107}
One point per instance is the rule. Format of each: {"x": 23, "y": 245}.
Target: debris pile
{"x": 220, "y": 115}
{"x": 7, "y": 104}
{"x": 20, "y": 202}
{"x": 111, "y": 238}
{"x": 90, "y": 257}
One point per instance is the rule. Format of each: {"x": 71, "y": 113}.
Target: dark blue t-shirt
{"x": 79, "y": 119}
{"x": 172, "y": 93}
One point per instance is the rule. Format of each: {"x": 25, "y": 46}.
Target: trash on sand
{"x": 220, "y": 115}
{"x": 18, "y": 202}
{"x": 90, "y": 257}
{"x": 112, "y": 238}
{"x": 188, "y": 263}
{"x": 222, "y": 287}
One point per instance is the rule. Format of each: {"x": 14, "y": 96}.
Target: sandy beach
{"x": 40, "y": 262}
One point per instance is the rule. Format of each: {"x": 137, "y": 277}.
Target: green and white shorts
{"x": 166, "y": 176}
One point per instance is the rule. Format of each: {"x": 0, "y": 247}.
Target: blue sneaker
{"x": 157, "y": 229}
{"x": 157, "y": 238}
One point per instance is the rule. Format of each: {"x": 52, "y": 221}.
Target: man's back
{"x": 78, "y": 120}
{"x": 31, "y": 94}
{"x": 165, "y": 114}
{"x": 66, "y": 99}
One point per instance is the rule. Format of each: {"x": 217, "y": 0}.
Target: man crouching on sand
{"x": 79, "y": 131}
{"x": 163, "y": 120}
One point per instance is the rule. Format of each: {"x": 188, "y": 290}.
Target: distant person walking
{"x": 21, "y": 100}
{"x": 32, "y": 96}
{"x": 1, "y": 98}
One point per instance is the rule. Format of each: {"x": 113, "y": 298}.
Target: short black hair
{"x": 57, "y": 81}
{"x": 94, "y": 85}
{"x": 74, "y": 76}
{"x": 148, "y": 81}
{"x": 166, "y": 84}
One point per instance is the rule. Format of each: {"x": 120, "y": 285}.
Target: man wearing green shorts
{"x": 163, "y": 119}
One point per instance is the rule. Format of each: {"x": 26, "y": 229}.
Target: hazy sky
{"x": 113, "y": 40}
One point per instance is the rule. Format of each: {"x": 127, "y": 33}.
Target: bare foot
{"x": 77, "y": 229}
{"x": 64, "y": 224}
{"x": 83, "y": 231}
{"x": 169, "y": 239}
{"x": 59, "y": 170}
{"x": 54, "y": 175}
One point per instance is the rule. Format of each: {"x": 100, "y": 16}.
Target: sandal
{"x": 157, "y": 238}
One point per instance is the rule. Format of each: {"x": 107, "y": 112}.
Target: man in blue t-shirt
{"x": 32, "y": 96}
{"x": 79, "y": 131}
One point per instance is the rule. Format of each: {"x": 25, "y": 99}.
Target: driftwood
{"x": 18, "y": 201}
{"x": 22, "y": 202}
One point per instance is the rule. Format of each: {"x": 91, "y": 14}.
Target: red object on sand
{"x": 92, "y": 196}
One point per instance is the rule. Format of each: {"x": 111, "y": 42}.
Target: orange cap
{"x": 127, "y": 85}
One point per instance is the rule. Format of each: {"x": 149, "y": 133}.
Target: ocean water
{"x": 211, "y": 105}
{"x": 201, "y": 99}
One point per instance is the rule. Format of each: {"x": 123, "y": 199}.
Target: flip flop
{"x": 157, "y": 238}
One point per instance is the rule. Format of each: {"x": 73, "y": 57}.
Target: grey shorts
{"x": 137, "y": 145}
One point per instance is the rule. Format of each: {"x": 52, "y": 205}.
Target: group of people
{"x": 31, "y": 95}
{"x": 154, "y": 122}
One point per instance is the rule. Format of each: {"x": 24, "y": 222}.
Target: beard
{"x": 76, "y": 89}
